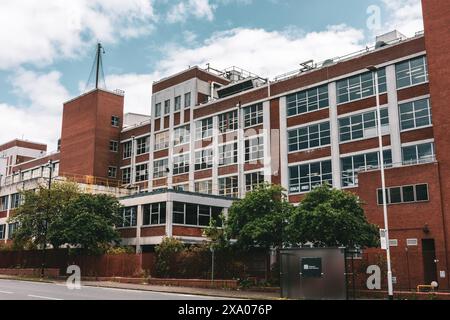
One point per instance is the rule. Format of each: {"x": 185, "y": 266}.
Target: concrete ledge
{"x": 50, "y": 273}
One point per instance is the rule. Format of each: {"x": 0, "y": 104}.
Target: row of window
{"x": 177, "y": 105}
{"x": 413, "y": 115}
{"x": 183, "y": 214}
{"x": 303, "y": 178}
{"x": 408, "y": 73}
{"x": 228, "y": 155}
{"x": 404, "y": 194}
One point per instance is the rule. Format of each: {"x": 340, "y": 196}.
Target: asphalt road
{"x": 24, "y": 290}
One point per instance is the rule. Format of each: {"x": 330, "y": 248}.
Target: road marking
{"x": 118, "y": 289}
{"x": 6, "y": 292}
{"x": 43, "y": 297}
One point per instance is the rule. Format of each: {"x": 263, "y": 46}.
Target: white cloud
{"x": 38, "y": 31}
{"x": 40, "y": 119}
{"x": 267, "y": 53}
{"x": 200, "y": 9}
{"x": 403, "y": 15}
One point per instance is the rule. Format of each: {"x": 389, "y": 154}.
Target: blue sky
{"x": 50, "y": 52}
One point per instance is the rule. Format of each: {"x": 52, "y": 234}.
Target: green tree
{"x": 38, "y": 212}
{"x": 89, "y": 223}
{"x": 329, "y": 217}
{"x": 166, "y": 257}
{"x": 260, "y": 219}
{"x": 63, "y": 215}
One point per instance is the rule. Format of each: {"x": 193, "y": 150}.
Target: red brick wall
{"x": 86, "y": 132}
{"x": 436, "y": 15}
{"x": 187, "y": 231}
{"x": 153, "y": 231}
{"x": 408, "y": 220}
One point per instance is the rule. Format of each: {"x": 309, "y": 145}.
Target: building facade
{"x": 214, "y": 135}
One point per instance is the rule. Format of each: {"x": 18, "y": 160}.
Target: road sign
{"x": 383, "y": 239}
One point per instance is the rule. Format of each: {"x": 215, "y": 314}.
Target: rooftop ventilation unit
{"x": 236, "y": 88}
{"x": 388, "y": 38}
{"x": 327, "y": 62}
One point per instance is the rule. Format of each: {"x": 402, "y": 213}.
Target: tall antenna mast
{"x": 98, "y": 67}
{"x": 99, "y": 48}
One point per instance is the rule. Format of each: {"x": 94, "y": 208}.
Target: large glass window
{"x": 203, "y": 159}
{"x": 129, "y": 217}
{"x": 162, "y": 140}
{"x": 160, "y": 168}
{"x": 204, "y": 129}
{"x": 351, "y": 166}
{"x": 360, "y": 86}
{"x": 303, "y": 178}
{"x": 142, "y": 172}
{"x": 307, "y": 101}
{"x": 254, "y": 149}
{"x": 181, "y": 135}
{"x": 421, "y": 153}
{"x": 12, "y": 227}
{"x": 228, "y": 121}
{"x": 415, "y": 114}
{"x": 317, "y": 135}
{"x": 2, "y": 231}
{"x": 158, "y": 110}
{"x": 154, "y": 214}
{"x": 126, "y": 176}
{"x": 166, "y": 107}
{"x": 229, "y": 187}
{"x": 113, "y": 146}
{"x": 181, "y": 164}
{"x": 204, "y": 187}
{"x": 253, "y": 115}
{"x": 4, "y": 203}
{"x": 404, "y": 194}
{"x": 187, "y": 100}
{"x": 363, "y": 126}
{"x": 228, "y": 154}
{"x": 143, "y": 145}
{"x": 194, "y": 214}
{"x": 15, "y": 200}
{"x": 253, "y": 180}
{"x": 412, "y": 72}
{"x": 127, "y": 149}
{"x": 177, "y": 103}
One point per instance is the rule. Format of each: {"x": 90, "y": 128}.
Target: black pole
{"x": 99, "y": 47}
{"x": 45, "y": 222}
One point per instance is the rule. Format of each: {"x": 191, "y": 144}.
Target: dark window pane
{"x": 408, "y": 194}
{"x": 191, "y": 214}
{"x": 395, "y": 195}
{"x": 422, "y": 192}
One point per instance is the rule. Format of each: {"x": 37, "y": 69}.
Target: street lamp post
{"x": 50, "y": 168}
{"x": 374, "y": 71}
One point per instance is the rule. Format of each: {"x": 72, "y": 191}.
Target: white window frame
{"x": 228, "y": 155}
{"x": 409, "y": 72}
{"x": 368, "y": 132}
{"x": 253, "y": 115}
{"x": 181, "y": 164}
{"x": 162, "y": 140}
{"x": 254, "y": 149}
{"x": 413, "y": 113}
{"x": 139, "y": 177}
{"x": 204, "y": 128}
{"x": 204, "y": 158}
{"x": 230, "y": 189}
{"x": 181, "y": 135}
{"x": 311, "y": 101}
{"x": 160, "y": 167}
{"x": 311, "y": 184}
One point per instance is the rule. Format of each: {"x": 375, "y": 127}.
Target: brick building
{"x": 213, "y": 135}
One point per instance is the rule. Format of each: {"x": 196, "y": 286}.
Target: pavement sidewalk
{"x": 222, "y": 293}
{"x": 233, "y": 294}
